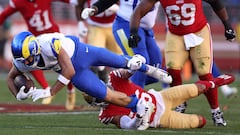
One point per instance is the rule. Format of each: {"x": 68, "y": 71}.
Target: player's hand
{"x": 87, "y": 12}
{"x": 82, "y": 29}
{"x": 21, "y": 95}
{"x": 40, "y": 93}
{"x": 230, "y": 34}
{"x": 136, "y": 62}
{"x": 133, "y": 39}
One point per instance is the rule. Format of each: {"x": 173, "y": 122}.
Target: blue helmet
{"x": 25, "y": 45}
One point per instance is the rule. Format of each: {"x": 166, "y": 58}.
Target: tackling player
{"x": 162, "y": 103}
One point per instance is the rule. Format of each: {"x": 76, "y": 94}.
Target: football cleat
{"x": 218, "y": 119}
{"x": 228, "y": 91}
{"x": 223, "y": 79}
{"x": 159, "y": 74}
{"x": 71, "y": 100}
{"x": 181, "y": 108}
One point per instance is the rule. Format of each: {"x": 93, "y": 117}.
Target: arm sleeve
{"x": 127, "y": 123}
{"x": 102, "y": 5}
{"x": 6, "y": 13}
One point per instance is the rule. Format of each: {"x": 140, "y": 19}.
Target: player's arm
{"x": 141, "y": 10}
{"x": 102, "y": 5}
{"x": 221, "y": 12}
{"x": 8, "y": 11}
{"x": 97, "y": 8}
{"x": 67, "y": 72}
{"x": 10, "y": 80}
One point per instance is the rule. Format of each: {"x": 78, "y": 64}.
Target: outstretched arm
{"x": 221, "y": 12}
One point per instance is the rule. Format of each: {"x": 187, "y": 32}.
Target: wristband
{"x": 63, "y": 79}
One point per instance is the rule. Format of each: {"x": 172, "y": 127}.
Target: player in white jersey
{"x": 72, "y": 60}
{"x": 147, "y": 46}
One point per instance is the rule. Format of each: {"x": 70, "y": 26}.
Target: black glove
{"x": 133, "y": 39}
{"x": 230, "y": 34}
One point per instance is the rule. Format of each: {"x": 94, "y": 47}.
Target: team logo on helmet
{"x": 30, "y": 47}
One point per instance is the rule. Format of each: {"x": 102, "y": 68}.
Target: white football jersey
{"x": 50, "y": 45}
{"x": 126, "y": 9}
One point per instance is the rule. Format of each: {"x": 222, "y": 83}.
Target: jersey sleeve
{"x": 56, "y": 46}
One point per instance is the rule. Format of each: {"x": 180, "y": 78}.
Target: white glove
{"x": 87, "y": 12}
{"x": 82, "y": 29}
{"x": 40, "y": 93}
{"x": 21, "y": 95}
{"x": 136, "y": 62}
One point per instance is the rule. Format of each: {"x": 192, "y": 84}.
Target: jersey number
{"x": 40, "y": 20}
{"x": 185, "y": 17}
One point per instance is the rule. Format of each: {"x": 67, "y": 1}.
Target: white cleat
{"x": 159, "y": 74}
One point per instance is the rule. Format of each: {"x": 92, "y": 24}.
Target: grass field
{"x": 86, "y": 123}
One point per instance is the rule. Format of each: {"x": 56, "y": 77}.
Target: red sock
{"x": 204, "y": 121}
{"x": 176, "y": 76}
{"x": 70, "y": 87}
{"x": 39, "y": 76}
{"x": 207, "y": 84}
{"x": 212, "y": 95}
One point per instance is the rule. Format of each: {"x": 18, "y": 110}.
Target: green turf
{"x": 88, "y": 124}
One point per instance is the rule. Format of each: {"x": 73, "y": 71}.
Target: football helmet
{"x": 25, "y": 46}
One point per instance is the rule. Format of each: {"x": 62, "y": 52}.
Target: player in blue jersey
{"x": 72, "y": 60}
{"x": 147, "y": 46}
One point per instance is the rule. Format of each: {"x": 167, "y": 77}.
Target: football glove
{"x": 21, "y": 95}
{"x": 40, "y": 93}
{"x": 87, "y": 12}
{"x": 230, "y": 34}
{"x": 82, "y": 29}
{"x": 133, "y": 39}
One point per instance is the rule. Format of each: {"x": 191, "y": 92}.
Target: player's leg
{"x": 71, "y": 97}
{"x": 154, "y": 53}
{"x": 121, "y": 33}
{"x": 97, "y": 36}
{"x": 175, "y": 57}
{"x": 202, "y": 59}
{"x": 225, "y": 89}
{"x": 176, "y": 120}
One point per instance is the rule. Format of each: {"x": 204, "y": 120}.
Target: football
{"x": 23, "y": 80}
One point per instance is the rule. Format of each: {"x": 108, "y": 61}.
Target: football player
{"x": 162, "y": 102}
{"x": 72, "y": 60}
{"x": 188, "y": 36}
{"x": 98, "y": 32}
{"x": 147, "y": 47}
{"x": 39, "y": 20}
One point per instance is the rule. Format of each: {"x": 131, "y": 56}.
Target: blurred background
{"x": 226, "y": 54}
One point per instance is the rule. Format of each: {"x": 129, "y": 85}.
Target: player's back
{"x": 184, "y": 16}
